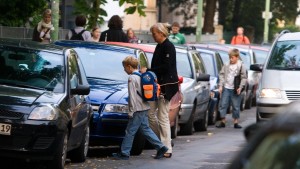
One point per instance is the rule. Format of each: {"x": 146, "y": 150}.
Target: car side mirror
{"x": 203, "y": 77}
{"x": 81, "y": 90}
{"x": 257, "y": 67}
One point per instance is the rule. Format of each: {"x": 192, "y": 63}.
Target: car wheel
{"x": 79, "y": 154}
{"x": 187, "y": 129}
{"x": 174, "y": 129}
{"x": 249, "y": 101}
{"x": 60, "y": 155}
{"x": 257, "y": 117}
{"x": 138, "y": 143}
{"x": 201, "y": 125}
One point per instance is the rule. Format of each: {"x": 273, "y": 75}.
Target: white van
{"x": 280, "y": 80}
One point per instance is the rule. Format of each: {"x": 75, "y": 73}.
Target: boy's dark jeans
{"x": 139, "y": 120}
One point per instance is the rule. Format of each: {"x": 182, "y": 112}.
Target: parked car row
{"x": 61, "y": 98}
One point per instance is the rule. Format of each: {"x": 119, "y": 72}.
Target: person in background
{"x": 131, "y": 36}
{"x": 138, "y": 109}
{"x": 79, "y": 33}
{"x": 226, "y": 88}
{"x": 115, "y": 32}
{"x": 175, "y": 37}
{"x": 96, "y": 34}
{"x": 163, "y": 64}
{"x": 42, "y": 31}
{"x": 240, "y": 38}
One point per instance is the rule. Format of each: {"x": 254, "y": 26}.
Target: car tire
{"x": 60, "y": 155}
{"x": 138, "y": 143}
{"x": 201, "y": 125}
{"x": 257, "y": 117}
{"x": 187, "y": 129}
{"x": 79, "y": 154}
{"x": 174, "y": 129}
{"x": 249, "y": 101}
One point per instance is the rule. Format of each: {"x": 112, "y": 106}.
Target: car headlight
{"x": 45, "y": 112}
{"x": 116, "y": 108}
{"x": 270, "y": 93}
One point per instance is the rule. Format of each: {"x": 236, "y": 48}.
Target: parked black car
{"x": 44, "y": 110}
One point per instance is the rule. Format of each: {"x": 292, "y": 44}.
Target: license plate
{"x": 5, "y": 129}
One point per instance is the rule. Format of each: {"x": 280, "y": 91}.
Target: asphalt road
{"x": 213, "y": 149}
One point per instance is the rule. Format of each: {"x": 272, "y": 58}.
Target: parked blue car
{"x": 109, "y": 90}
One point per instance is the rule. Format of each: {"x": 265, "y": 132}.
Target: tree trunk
{"x": 55, "y": 19}
{"x": 210, "y": 9}
{"x": 223, "y": 12}
{"x": 236, "y": 14}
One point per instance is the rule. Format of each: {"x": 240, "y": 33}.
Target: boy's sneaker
{"x": 221, "y": 125}
{"x": 120, "y": 156}
{"x": 160, "y": 153}
{"x": 237, "y": 126}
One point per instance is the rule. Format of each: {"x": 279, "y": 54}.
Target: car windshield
{"x": 32, "y": 69}
{"x": 245, "y": 57}
{"x": 103, "y": 64}
{"x": 209, "y": 63}
{"x": 285, "y": 56}
{"x": 183, "y": 64}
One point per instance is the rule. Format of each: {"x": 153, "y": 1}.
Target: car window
{"x": 74, "y": 74}
{"x": 103, "y": 64}
{"x": 245, "y": 57}
{"x": 32, "y": 68}
{"x": 199, "y": 67}
{"x": 260, "y": 56}
{"x": 224, "y": 56}
{"x": 277, "y": 150}
{"x": 209, "y": 63}
{"x": 143, "y": 60}
{"x": 219, "y": 62}
{"x": 285, "y": 56}
{"x": 182, "y": 62}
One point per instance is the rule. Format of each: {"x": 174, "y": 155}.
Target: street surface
{"x": 213, "y": 149}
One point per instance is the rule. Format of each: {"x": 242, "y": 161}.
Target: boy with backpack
{"x": 138, "y": 118}
{"x": 79, "y": 33}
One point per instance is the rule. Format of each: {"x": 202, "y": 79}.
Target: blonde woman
{"x": 42, "y": 31}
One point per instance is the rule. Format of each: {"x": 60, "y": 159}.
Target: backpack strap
{"x": 81, "y": 32}
{"x": 138, "y": 74}
{"x": 73, "y": 32}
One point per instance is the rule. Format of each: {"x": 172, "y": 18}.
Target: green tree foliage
{"x": 249, "y": 15}
{"x": 17, "y": 12}
{"x": 92, "y": 9}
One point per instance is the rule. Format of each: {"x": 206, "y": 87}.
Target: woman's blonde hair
{"x": 163, "y": 28}
{"x": 47, "y": 12}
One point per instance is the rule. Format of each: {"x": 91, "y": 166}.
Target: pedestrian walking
{"x": 175, "y": 37}
{"x": 41, "y": 32}
{"x": 115, "y": 32}
{"x": 79, "y": 33}
{"x": 240, "y": 38}
{"x": 164, "y": 66}
{"x": 138, "y": 109}
{"x": 131, "y": 36}
{"x": 233, "y": 78}
{"x": 96, "y": 34}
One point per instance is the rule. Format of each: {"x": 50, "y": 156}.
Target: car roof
{"x": 145, "y": 48}
{"x": 255, "y": 47}
{"x": 28, "y": 44}
{"x": 206, "y": 50}
{"x": 289, "y": 36}
{"x": 94, "y": 45}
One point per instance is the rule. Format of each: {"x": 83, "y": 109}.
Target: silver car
{"x": 279, "y": 84}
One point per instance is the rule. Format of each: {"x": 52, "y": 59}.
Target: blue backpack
{"x": 150, "y": 87}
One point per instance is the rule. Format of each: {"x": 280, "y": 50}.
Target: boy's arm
{"x": 222, "y": 76}
{"x": 131, "y": 95}
{"x": 244, "y": 76}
